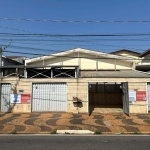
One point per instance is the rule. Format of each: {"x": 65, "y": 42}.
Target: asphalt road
{"x": 69, "y": 142}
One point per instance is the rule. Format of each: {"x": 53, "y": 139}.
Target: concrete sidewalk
{"x": 46, "y": 123}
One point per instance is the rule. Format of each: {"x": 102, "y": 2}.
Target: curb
{"x": 74, "y": 132}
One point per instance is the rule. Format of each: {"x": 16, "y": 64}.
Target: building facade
{"x": 77, "y": 80}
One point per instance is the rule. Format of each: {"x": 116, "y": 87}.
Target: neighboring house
{"x": 8, "y": 62}
{"x": 127, "y": 53}
{"x": 130, "y": 54}
{"x": 142, "y": 60}
{"x": 81, "y": 80}
{"x": 20, "y": 59}
{"x": 144, "y": 63}
{"x": 7, "y": 69}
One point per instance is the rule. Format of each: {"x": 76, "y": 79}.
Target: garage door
{"x": 5, "y": 97}
{"x": 49, "y": 97}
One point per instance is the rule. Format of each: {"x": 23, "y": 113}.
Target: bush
{"x": 54, "y": 132}
{"x": 97, "y": 132}
{"x": 137, "y": 133}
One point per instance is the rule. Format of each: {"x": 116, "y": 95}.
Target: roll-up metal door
{"x": 5, "y": 97}
{"x": 49, "y": 97}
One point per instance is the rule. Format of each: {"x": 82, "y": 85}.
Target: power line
{"x": 77, "y": 21}
{"x": 63, "y": 44}
{"x": 69, "y": 39}
{"x": 73, "y": 35}
{"x": 52, "y": 35}
{"x": 48, "y": 50}
{"x": 30, "y": 48}
{"x": 108, "y": 45}
{"x": 34, "y": 33}
{"x": 141, "y": 34}
{"x": 74, "y": 40}
{"x": 76, "y": 56}
{"x": 15, "y": 29}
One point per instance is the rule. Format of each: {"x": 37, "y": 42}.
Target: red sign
{"x": 141, "y": 95}
{"x": 25, "y": 98}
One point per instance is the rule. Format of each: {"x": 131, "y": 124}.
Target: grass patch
{"x": 97, "y": 132}
{"x": 54, "y": 131}
{"x": 136, "y": 133}
{"x": 13, "y": 132}
{"x": 122, "y": 133}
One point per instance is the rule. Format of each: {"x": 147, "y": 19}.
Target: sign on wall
{"x": 141, "y": 95}
{"x": 15, "y": 98}
{"x": 132, "y": 96}
{"x": 20, "y": 98}
{"x": 25, "y": 98}
{"x": 137, "y": 96}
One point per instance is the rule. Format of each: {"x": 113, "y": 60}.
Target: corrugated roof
{"x": 82, "y": 50}
{"x": 115, "y": 74}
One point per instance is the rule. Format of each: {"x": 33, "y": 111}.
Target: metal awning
{"x": 114, "y": 74}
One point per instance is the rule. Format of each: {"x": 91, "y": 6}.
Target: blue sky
{"x": 74, "y": 10}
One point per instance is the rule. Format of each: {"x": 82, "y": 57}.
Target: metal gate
{"x": 148, "y": 95}
{"x": 49, "y": 97}
{"x": 5, "y": 97}
{"x": 125, "y": 98}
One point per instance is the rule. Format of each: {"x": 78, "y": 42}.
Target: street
{"x": 74, "y": 142}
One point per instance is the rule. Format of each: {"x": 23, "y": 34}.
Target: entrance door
{"x": 105, "y": 97}
{"x": 125, "y": 98}
{"x": 148, "y": 95}
{"x": 5, "y": 97}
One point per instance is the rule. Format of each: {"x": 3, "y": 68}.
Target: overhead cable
{"x": 54, "y": 55}
{"x": 73, "y": 35}
{"x": 77, "y": 21}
